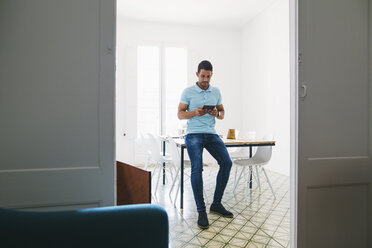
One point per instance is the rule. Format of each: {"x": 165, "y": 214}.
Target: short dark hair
{"x": 206, "y": 65}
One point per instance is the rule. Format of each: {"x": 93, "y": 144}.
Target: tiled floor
{"x": 259, "y": 219}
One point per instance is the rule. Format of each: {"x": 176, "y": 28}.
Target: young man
{"x": 201, "y": 134}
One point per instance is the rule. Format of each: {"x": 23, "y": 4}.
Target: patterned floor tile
{"x": 188, "y": 245}
{"x": 244, "y": 235}
{"x": 259, "y": 219}
{"x": 228, "y": 232}
{"x": 199, "y": 241}
{"x": 207, "y": 234}
{"x": 238, "y": 242}
{"x": 234, "y": 226}
{"x": 176, "y": 243}
{"x": 214, "y": 244}
{"x": 231, "y": 246}
{"x": 220, "y": 223}
{"x": 259, "y": 238}
{"x": 255, "y": 245}
{"x": 274, "y": 244}
{"x": 215, "y": 229}
{"x": 185, "y": 237}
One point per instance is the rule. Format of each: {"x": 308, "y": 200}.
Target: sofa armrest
{"x": 142, "y": 225}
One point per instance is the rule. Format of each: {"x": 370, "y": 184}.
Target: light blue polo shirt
{"x": 195, "y": 97}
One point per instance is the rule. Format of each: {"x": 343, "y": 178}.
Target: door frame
{"x": 293, "y": 51}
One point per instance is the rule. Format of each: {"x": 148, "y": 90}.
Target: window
{"x": 148, "y": 96}
{"x": 162, "y": 75}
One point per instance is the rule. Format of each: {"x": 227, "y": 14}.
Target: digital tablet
{"x": 209, "y": 107}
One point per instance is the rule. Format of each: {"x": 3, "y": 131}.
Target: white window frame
{"x": 162, "y": 87}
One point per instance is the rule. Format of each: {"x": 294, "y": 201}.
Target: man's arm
{"x": 221, "y": 111}
{"x": 183, "y": 114}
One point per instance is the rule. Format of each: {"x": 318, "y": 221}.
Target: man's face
{"x": 204, "y": 78}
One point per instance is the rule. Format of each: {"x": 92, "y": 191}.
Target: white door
{"x": 57, "y": 91}
{"x": 334, "y": 137}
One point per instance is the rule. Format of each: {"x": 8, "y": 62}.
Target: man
{"x": 201, "y": 134}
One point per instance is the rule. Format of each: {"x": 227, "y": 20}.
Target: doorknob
{"x": 304, "y": 92}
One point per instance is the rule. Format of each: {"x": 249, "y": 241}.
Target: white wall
{"x": 265, "y": 72}
{"x": 221, "y": 47}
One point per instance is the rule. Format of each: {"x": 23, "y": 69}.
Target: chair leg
{"x": 147, "y": 162}
{"x": 172, "y": 167}
{"x": 268, "y": 181}
{"x": 178, "y": 188}
{"x": 254, "y": 176}
{"x": 236, "y": 172}
{"x": 154, "y": 198}
{"x": 153, "y": 194}
{"x": 174, "y": 182}
{"x": 175, "y": 198}
{"x": 247, "y": 189}
{"x": 153, "y": 173}
{"x": 170, "y": 174}
{"x": 157, "y": 182}
{"x": 258, "y": 179}
{"x": 236, "y": 183}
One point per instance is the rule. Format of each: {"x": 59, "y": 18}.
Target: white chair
{"x": 259, "y": 159}
{"x": 155, "y": 157}
{"x": 241, "y": 152}
{"x": 145, "y": 139}
{"x": 176, "y": 157}
{"x": 238, "y": 152}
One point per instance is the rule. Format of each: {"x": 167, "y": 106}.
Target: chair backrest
{"x": 250, "y": 134}
{"x": 144, "y": 140}
{"x": 238, "y": 152}
{"x": 263, "y": 153}
{"x": 174, "y": 152}
{"x": 154, "y": 147}
{"x": 241, "y": 152}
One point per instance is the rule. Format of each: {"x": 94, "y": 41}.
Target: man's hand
{"x": 184, "y": 114}
{"x": 212, "y": 112}
{"x": 200, "y": 111}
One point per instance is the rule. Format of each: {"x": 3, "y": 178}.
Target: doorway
{"x": 251, "y": 68}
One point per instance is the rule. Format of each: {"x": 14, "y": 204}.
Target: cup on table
{"x": 231, "y": 134}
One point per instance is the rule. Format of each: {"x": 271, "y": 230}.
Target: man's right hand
{"x": 200, "y": 111}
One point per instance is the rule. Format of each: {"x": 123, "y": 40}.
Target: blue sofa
{"x": 142, "y": 225}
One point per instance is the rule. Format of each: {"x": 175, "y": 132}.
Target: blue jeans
{"x": 215, "y": 146}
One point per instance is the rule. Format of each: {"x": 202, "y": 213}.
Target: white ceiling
{"x": 211, "y": 13}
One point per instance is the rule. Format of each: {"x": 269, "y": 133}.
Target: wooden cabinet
{"x": 133, "y": 185}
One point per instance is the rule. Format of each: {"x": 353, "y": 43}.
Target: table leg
{"x": 181, "y": 182}
{"x": 250, "y": 171}
{"x": 163, "y": 163}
